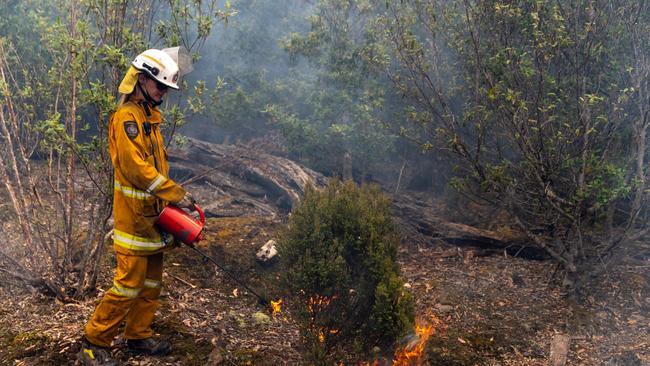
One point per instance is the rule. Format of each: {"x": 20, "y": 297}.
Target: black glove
{"x": 168, "y": 239}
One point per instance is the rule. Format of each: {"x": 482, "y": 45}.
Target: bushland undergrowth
{"x": 339, "y": 252}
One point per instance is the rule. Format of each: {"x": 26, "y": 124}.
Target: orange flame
{"x": 277, "y": 307}
{"x": 412, "y": 353}
{"x": 321, "y": 336}
{"x": 323, "y": 332}
{"x": 317, "y": 303}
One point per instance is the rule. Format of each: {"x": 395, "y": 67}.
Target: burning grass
{"x": 276, "y": 306}
{"x": 318, "y": 303}
{"x": 413, "y": 352}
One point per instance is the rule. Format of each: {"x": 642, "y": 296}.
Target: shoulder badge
{"x": 131, "y": 129}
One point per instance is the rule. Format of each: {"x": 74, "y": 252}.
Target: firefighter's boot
{"x": 91, "y": 355}
{"x": 149, "y": 346}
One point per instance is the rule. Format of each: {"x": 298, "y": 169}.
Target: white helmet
{"x": 158, "y": 65}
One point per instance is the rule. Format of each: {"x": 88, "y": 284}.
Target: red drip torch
{"x": 187, "y": 229}
{"x": 182, "y": 225}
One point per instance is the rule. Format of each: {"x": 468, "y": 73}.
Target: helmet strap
{"x": 146, "y": 109}
{"x": 147, "y": 97}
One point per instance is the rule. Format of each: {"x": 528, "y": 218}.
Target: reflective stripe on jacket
{"x": 141, "y": 187}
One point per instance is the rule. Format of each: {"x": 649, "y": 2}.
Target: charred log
{"x": 421, "y": 222}
{"x": 232, "y": 180}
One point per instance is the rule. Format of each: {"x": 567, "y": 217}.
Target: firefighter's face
{"x": 156, "y": 89}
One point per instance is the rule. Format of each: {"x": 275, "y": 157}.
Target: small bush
{"x": 339, "y": 252}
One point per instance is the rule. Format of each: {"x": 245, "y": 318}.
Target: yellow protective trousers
{"x": 133, "y": 298}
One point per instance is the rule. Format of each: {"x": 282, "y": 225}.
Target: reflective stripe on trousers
{"x": 134, "y": 242}
{"x": 133, "y": 299}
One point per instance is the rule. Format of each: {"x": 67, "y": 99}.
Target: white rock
{"x": 444, "y": 308}
{"x": 267, "y": 252}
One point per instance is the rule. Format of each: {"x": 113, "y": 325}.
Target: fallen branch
{"x": 181, "y": 280}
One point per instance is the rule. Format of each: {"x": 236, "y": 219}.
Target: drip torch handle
{"x": 201, "y": 214}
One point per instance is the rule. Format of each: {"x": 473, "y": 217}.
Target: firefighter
{"x": 141, "y": 189}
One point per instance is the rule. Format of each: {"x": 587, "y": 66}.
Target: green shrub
{"x": 339, "y": 254}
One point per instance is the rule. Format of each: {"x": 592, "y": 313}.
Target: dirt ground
{"x": 502, "y": 311}
{"x": 493, "y": 310}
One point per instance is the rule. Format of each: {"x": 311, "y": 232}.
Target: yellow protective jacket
{"x": 142, "y": 186}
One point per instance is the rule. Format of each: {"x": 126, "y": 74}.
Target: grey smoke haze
{"x": 248, "y": 45}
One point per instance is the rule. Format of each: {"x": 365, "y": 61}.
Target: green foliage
{"x": 307, "y": 78}
{"x": 52, "y": 132}
{"x": 20, "y": 24}
{"x": 348, "y": 100}
{"x": 540, "y": 110}
{"x": 238, "y": 107}
{"x": 248, "y": 70}
{"x": 189, "y": 23}
{"x": 340, "y": 252}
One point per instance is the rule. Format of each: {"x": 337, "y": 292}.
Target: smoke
{"x": 241, "y": 57}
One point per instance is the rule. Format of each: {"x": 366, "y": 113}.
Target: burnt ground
{"x": 503, "y": 311}
{"x": 494, "y": 310}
